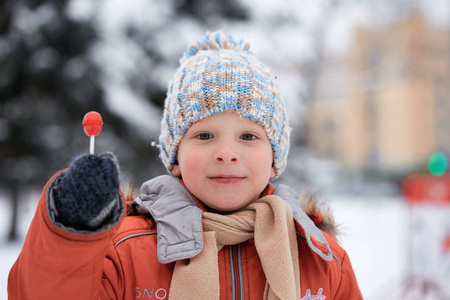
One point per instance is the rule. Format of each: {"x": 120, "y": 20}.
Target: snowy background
{"x": 375, "y": 226}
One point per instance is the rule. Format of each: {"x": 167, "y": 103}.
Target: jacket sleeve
{"x": 55, "y": 263}
{"x": 348, "y": 287}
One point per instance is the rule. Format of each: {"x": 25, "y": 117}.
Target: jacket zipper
{"x": 236, "y": 275}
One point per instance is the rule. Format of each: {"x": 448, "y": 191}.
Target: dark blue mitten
{"x": 86, "y": 195}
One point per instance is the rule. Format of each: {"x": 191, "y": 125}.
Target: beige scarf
{"x": 269, "y": 221}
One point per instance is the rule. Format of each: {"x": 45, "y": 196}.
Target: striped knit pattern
{"x": 218, "y": 74}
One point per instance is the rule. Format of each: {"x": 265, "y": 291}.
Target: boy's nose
{"x": 226, "y": 155}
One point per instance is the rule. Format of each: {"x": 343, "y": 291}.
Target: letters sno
{"x": 150, "y": 294}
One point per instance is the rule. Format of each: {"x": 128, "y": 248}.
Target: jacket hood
{"x": 179, "y": 219}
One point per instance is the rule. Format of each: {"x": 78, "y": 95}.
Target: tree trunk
{"x": 14, "y": 192}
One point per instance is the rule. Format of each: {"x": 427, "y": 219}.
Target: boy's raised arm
{"x": 65, "y": 247}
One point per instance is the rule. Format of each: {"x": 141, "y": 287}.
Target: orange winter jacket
{"x": 121, "y": 261}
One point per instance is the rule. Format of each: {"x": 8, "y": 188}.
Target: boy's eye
{"x": 248, "y": 137}
{"x": 204, "y": 136}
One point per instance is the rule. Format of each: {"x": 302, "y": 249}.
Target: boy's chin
{"x": 227, "y": 209}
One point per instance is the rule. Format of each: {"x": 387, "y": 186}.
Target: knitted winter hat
{"x": 218, "y": 74}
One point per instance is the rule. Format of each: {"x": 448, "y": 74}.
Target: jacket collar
{"x": 178, "y": 216}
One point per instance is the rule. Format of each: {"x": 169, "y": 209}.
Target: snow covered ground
{"x": 10, "y": 251}
{"x": 375, "y": 234}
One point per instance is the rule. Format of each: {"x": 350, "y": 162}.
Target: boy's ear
{"x": 176, "y": 170}
{"x": 272, "y": 172}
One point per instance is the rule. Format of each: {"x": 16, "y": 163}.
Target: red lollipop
{"x": 92, "y": 125}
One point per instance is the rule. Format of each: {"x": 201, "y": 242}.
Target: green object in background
{"x": 437, "y": 164}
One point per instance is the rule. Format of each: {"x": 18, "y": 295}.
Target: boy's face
{"x": 225, "y": 160}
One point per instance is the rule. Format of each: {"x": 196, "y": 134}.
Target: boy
{"x": 213, "y": 229}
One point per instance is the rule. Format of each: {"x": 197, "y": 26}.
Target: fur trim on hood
{"x": 322, "y": 216}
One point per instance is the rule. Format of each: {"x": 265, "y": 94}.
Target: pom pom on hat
{"x": 218, "y": 74}
{"x": 216, "y": 41}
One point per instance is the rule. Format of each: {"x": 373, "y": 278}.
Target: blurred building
{"x": 385, "y": 105}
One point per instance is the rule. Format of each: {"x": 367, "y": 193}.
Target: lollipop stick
{"x": 91, "y": 149}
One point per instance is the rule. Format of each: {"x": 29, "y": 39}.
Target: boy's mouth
{"x": 227, "y": 179}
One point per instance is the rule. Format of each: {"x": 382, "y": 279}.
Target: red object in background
{"x": 446, "y": 244}
{"x": 92, "y": 123}
{"x": 427, "y": 189}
